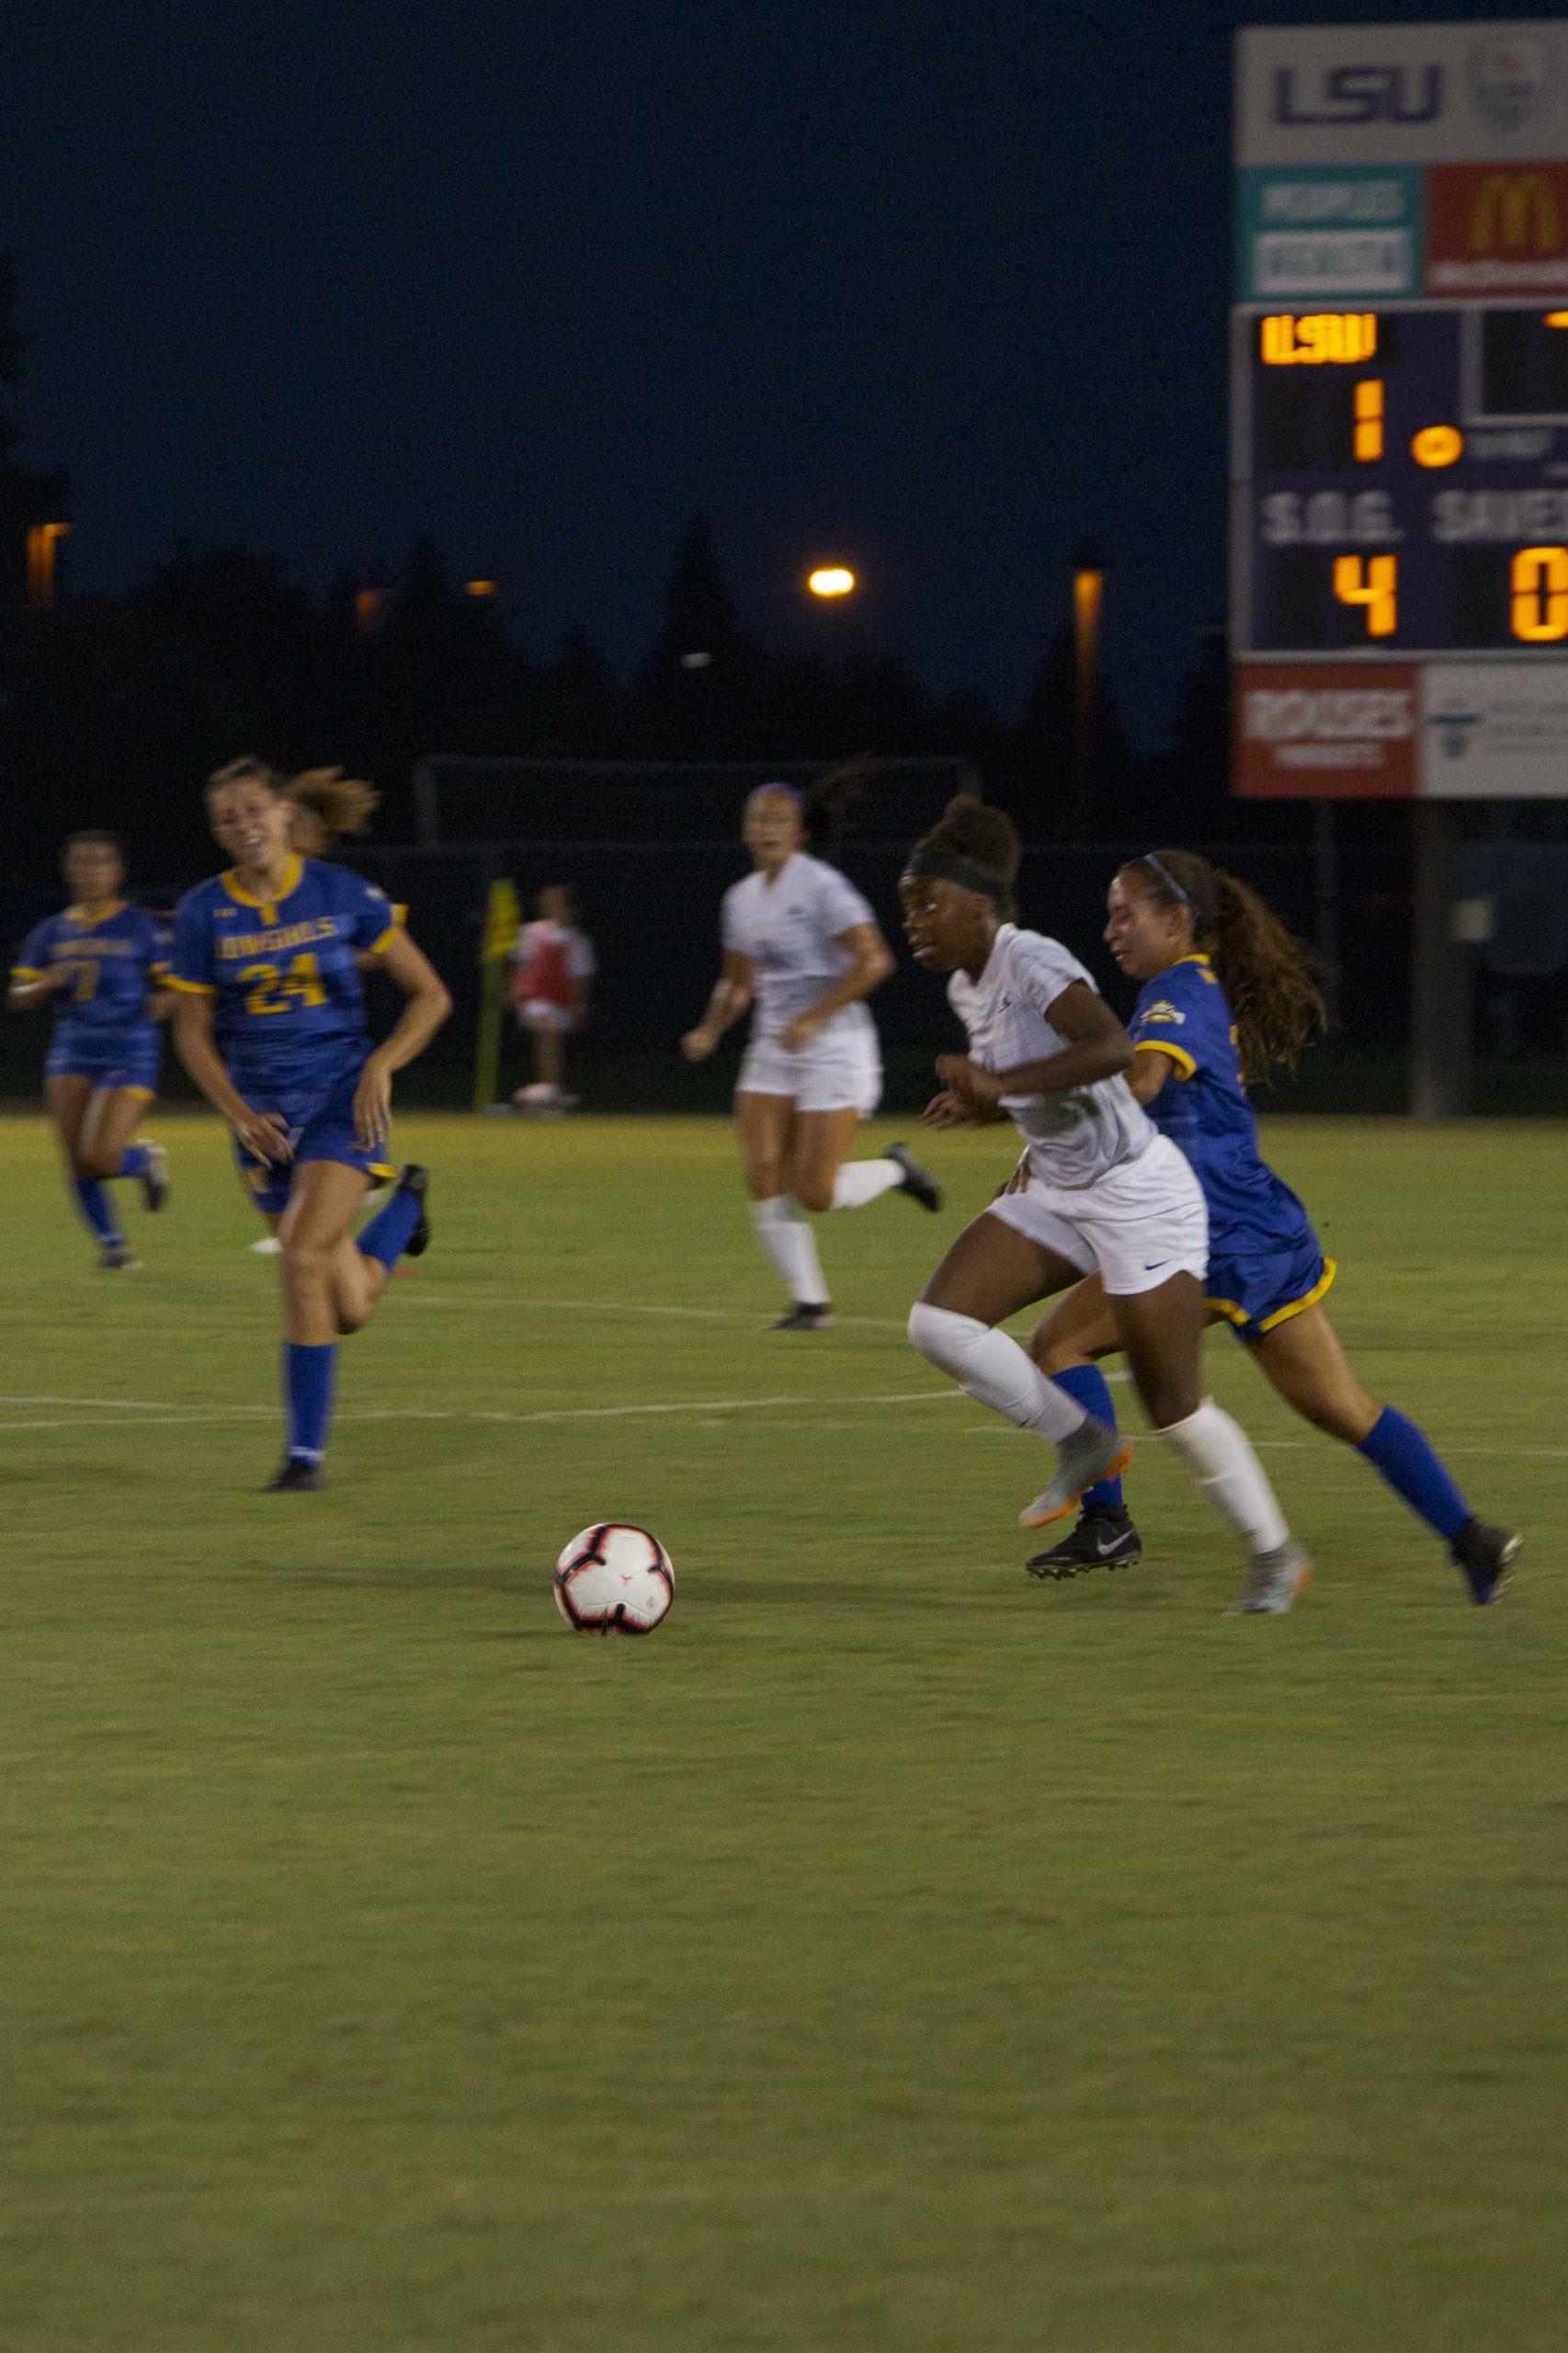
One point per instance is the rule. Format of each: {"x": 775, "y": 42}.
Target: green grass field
{"x": 892, "y": 1953}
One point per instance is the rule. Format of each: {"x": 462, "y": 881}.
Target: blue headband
{"x": 1167, "y": 878}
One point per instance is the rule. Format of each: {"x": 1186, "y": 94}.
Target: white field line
{"x": 640, "y": 1307}
{"x": 153, "y": 1416}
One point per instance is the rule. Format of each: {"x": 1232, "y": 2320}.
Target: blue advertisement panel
{"x": 1322, "y": 232}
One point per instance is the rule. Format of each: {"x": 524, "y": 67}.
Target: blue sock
{"x": 1086, "y": 1384}
{"x": 1410, "y": 1463}
{"x": 93, "y": 1202}
{"x": 135, "y": 1161}
{"x": 309, "y": 1376}
{"x": 387, "y": 1235}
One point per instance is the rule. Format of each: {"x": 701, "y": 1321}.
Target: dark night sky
{"x": 938, "y": 288}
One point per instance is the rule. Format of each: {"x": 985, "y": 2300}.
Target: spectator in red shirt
{"x": 553, "y": 971}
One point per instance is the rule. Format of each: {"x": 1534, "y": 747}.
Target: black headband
{"x": 1167, "y": 878}
{"x": 947, "y": 866}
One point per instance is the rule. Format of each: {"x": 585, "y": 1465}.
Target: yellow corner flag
{"x": 502, "y": 919}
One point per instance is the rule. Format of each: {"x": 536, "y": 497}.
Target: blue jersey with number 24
{"x": 283, "y": 972}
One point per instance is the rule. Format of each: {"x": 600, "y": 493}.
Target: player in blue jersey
{"x": 271, "y": 1023}
{"x": 1226, "y": 989}
{"x": 101, "y": 964}
{"x": 327, "y": 806}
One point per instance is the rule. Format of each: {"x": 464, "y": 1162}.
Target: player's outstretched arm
{"x": 191, "y": 1027}
{"x": 427, "y": 1006}
{"x": 731, "y": 994}
{"x": 870, "y": 966}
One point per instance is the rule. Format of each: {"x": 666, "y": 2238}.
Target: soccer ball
{"x": 613, "y": 1580}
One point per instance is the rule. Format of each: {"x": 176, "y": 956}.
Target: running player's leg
{"x": 108, "y": 1149}
{"x": 1066, "y": 1344}
{"x": 69, "y": 1097}
{"x": 764, "y": 1126}
{"x": 324, "y": 1200}
{"x": 825, "y": 1177}
{"x": 1162, "y": 1330}
{"x": 1304, "y": 1361}
{"x": 362, "y": 1265}
{"x": 991, "y": 1271}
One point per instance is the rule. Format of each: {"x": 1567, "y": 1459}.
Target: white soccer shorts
{"x": 1139, "y": 1224}
{"x": 829, "y": 1074}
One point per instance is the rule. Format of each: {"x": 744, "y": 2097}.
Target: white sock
{"x": 860, "y": 1181}
{"x": 784, "y": 1231}
{"x": 994, "y": 1370}
{"x": 1218, "y": 1454}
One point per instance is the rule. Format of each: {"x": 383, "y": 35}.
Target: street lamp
{"x": 831, "y": 579}
{"x": 1088, "y": 608}
{"x": 43, "y": 538}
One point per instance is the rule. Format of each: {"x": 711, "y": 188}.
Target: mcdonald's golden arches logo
{"x": 1515, "y": 212}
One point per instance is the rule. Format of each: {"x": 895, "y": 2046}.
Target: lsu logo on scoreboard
{"x": 1352, "y": 94}
{"x": 1497, "y": 228}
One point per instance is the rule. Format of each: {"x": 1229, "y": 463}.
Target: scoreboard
{"x": 1409, "y": 482}
{"x": 1399, "y": 372}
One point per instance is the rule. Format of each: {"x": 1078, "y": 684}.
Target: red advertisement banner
{"x": 1324, "y": 731}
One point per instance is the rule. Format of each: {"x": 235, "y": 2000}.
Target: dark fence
{"x": 653, "y": 911}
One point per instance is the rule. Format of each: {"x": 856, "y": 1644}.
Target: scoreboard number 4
{"x": 1371, "y": 581}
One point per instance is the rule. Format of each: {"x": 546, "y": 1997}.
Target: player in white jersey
{"x": 803, "y": 949}
{"x": 1105, "y": 1191}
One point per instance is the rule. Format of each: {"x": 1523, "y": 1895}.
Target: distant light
{"x": 1438, "y": 445}
{"x": 831, "y": 579}
{"x": 696, "y": 660}
{"x": 368, "y": 608}
{"x": 1556, "y": 319}
{"x": 481, "y": 588}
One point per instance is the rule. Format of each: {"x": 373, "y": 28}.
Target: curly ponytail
{"x": 342, "y": 804}
{"x": 1265, "y": 970}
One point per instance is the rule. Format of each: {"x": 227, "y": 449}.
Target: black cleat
{"x": 1488, "y": 1556}
{"x": 1102, "y": 1539}
{"x": 416, "y": 1181}
{"x": 806, "y": 1317}
{"x": 917, "y": 1182}
{"x": 295, "y": 1477}
{"x": 155, "y": 1177}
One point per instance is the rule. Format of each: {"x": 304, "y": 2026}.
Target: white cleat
{"x": 1273, "y": 1582}
{"x": 267, "y": 1247}
{"x": 1093, "y": 1451}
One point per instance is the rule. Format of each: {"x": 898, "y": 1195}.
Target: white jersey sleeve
{"x": 1043, "y": 969}
{"x": 580, "y": 962}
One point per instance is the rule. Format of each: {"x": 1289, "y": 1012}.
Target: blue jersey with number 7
{"x": 283, "y": 972}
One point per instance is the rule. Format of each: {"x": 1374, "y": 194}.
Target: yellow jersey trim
{"x": 236, "y": 889}
{"x": 25, "y": 973}
{"x": 390, "y": 933}
{"x": 190, "y": 988}
{"x": 1309, "y": 1299}
{"x": 1185, "y": 1067}
{"x": 1238, "y": 1316}
{"x": 107, "y": 916}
